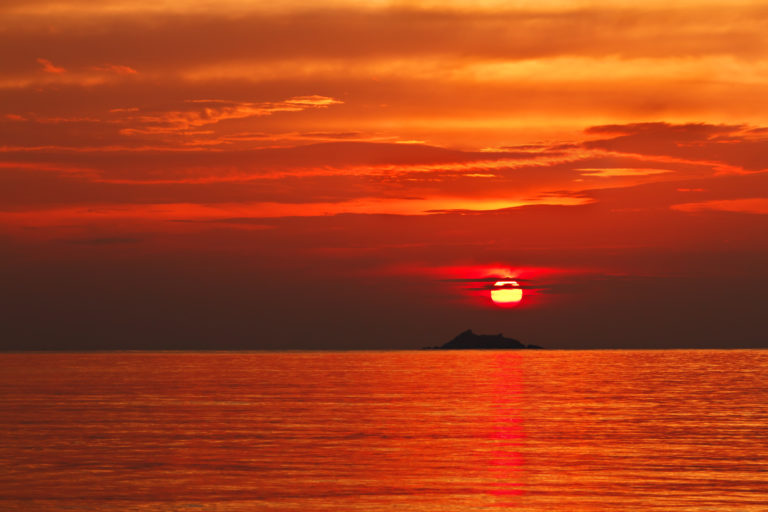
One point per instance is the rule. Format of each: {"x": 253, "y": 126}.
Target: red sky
{"x": 348, "y": 174}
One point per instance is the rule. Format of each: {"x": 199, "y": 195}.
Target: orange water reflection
{"x": 365, "y": 431}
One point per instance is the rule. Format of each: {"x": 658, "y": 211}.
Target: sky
{"x": 358, "y": 174}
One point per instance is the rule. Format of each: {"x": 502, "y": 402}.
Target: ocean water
{"x": 678, "y": 430}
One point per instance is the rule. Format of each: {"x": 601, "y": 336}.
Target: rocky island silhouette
{"x": 468, "y": 340}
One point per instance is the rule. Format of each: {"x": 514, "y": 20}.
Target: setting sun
{"x": 506, "y": 293}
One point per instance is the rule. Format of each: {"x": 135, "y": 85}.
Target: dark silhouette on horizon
{"x": 468, "y": 340}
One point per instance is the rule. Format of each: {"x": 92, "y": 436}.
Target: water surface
{"x": 382, "y": 431}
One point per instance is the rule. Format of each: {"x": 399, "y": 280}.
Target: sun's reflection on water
{"x": 508, "y": 434}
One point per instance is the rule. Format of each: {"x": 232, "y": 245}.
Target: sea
{"x": 442, "y": 431}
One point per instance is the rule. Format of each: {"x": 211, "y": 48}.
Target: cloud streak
{"x": 48, "y": 66}
{"x": 203, "y": 112}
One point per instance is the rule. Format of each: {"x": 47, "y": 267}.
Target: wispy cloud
{"x": 48, "y": 66}
{"x": 614, "y": 173}
{"x": 203, "y": 112}
{"x": 118, "y": 69}
{"x": 110, "y": 240}
{"x": 753, "y": 205}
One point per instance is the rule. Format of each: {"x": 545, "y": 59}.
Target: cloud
{"x": 204, "y": 112}
{"x": 488, "y": 283}
{"x": 613, "y": 173}
{"x": 332, "y": 135}
{"x": 111, "y": 240}
{"x": 48, "y": 66}
{"x": 753, "y": 205}
{"x": 375, "y": 178}
{"x": 708, "y": 192}
{"x": 312, "y": 101}
{"x": 731, "y": 148}
{"x": 118, "y": 69}
{"x": 152, "y": 40}
{"x": 484, "y": 279}
{"x": 399, "y": 71}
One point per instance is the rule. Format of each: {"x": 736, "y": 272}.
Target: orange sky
{"x": 316, "y": 172}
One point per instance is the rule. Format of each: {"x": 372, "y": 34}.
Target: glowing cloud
{"x": 117, "y": 69}
{"x": 48, "y": 66}
{"x": 754, "y": 205}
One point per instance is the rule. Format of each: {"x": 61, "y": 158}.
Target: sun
{"x": 506, "y": 293}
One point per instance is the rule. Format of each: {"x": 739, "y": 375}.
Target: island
{"x": 468, "y": 340}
